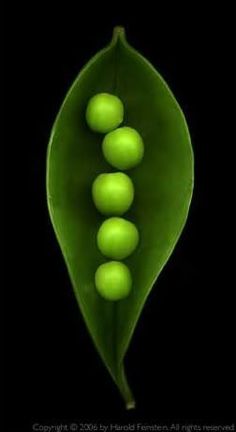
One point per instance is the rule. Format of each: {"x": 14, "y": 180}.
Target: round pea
{"x": 104, "y": 112}
{"x": 123, "y": 148}
{"x": 113, "y": 193}
{"x": 117, "y": 238}
{"x": 113, "y": 280}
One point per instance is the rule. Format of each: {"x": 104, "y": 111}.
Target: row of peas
{"x": 113, "y": 194}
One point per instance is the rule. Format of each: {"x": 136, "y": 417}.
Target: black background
{"x": 181, "y": 360}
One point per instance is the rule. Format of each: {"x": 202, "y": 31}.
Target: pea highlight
{"x": 113, "y": 193}
{"x": 104, "y": 112}
{"x": 117, "y": 238}
{"x": 113, "y": 280}
{"x": 123, "y": 148}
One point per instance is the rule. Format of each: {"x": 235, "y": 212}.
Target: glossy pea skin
{"x": 113, "y": 193}
{"x": 117, "y": 238}
{"x": 104, "y": 112}
{"x": 113, "y": 280}
{"x": 123, "y": 148}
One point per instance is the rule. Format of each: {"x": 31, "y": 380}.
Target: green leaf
{"x": 163, "y": 189}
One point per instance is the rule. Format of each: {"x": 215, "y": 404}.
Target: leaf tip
{"x": 118, "y": 33}
{"x": 130, "y": 404}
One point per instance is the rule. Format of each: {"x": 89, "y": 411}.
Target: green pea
{"x": 117, "y": 238}
{"x": 123, "y": 148}
{"x": 113, "y": 193}
{"x": 104, "y": 112}
{"x": 113, "y": 280}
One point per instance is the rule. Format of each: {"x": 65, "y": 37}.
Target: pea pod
{"x": 163, "y": 189}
